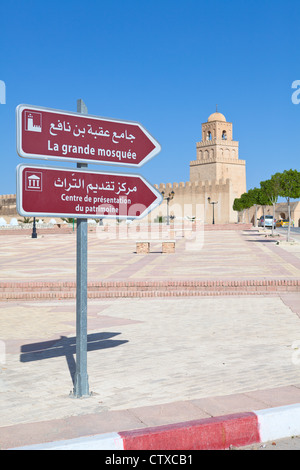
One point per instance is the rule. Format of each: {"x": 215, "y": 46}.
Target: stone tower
{"x": 218, "y": 156}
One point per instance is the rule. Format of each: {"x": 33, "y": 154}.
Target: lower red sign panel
{"x": 79, "y": 193}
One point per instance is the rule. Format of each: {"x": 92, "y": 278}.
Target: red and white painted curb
{"x": 215, "y": 433}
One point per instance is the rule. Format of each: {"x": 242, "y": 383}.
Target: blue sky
{"x": 163, "y": 63}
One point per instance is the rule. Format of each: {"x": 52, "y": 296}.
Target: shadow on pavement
{"x": 67, "y": 347}
{"x": 264, "y": 240}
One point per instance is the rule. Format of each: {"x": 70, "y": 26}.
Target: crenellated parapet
{"x": 194, "y": 186}
{"x": 7, "y": 196}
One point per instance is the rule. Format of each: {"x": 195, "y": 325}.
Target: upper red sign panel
{"x": 51, "y": 134}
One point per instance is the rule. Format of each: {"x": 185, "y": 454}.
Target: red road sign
{"x": 51, "y": 134}
{"x": 79, "y": 193}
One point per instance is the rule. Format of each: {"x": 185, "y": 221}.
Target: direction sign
{"x": 51, "y": 134}
{"x": 79, "y": 193}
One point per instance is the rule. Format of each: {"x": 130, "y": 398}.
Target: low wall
{"x": 228, "y": 227}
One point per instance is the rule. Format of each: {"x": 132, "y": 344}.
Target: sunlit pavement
{"x": 151, "y": 361}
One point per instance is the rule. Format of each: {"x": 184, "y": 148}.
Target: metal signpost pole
{"x": 50, "y": 134}
{"x": 81, "y": 384}
{"x": 34, "y": 234}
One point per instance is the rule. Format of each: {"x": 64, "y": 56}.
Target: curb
{"x": 131, "y": 289}
{"x": 217, "y": 433}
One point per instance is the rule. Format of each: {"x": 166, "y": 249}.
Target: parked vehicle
{"x": 282, "y": 223}
{"x": 268, "y": 222}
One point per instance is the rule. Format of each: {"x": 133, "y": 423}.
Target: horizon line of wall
{"x": 6, "y": 196}
{"x": 195, "y": 184}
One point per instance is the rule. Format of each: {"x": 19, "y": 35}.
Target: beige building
{"x": 217, "y": 173}
{"x": 281, "y": 212}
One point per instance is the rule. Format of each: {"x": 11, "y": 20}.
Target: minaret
{"x": 218, "y": 155}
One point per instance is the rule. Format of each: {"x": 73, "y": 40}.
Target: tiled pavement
{"x": 216, "y": 255}
{"x": 150, "y": 361}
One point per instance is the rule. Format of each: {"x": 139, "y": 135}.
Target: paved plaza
{"x": 151, "y": 360}
{"x": 202, "y": 255}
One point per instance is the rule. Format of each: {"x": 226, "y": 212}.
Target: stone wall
{"x": 8, "y": 208}
{"x": 191, "y": 201}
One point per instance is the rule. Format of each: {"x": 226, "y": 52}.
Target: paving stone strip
{"x": 56, "y": 290}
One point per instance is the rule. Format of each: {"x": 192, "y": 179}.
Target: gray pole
{"x": 81, "y": 383}
{"x": 168, "y": 217}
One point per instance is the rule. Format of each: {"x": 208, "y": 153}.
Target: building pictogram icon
{"x": 33, "y": 121}
{"x": 33, "y": 181}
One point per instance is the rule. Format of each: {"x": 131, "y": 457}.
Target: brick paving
{"x": 150, "y": 360}
{"x": 50, "y": 260}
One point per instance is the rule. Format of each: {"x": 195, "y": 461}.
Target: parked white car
{"x": 269, "y": 221}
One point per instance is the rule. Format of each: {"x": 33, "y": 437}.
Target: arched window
{"x": 224, "y": 135}
{"x": 208, "y": 135}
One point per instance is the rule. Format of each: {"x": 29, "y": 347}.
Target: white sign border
{"x": 23, "y": 154}
{"x": 22, "y": 212}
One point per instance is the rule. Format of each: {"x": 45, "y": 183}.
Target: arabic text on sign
{"x": 65, "y": 127}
